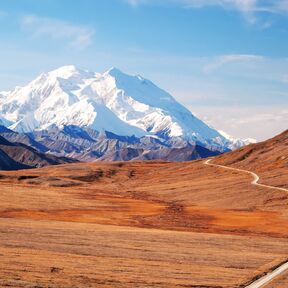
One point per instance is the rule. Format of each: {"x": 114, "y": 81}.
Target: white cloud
{"x": 76, "y": 36}
{"x": 220, "y": 61}
{"x": 258, "y": 122}
{"x": 242, "y": 5}
{"x": 248, "y": 8}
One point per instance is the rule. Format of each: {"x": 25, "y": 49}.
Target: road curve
{"x": 256, "y": 178}
{"x": 263, "y": 281}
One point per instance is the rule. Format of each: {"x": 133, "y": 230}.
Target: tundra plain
{"x": 138, "y": 224}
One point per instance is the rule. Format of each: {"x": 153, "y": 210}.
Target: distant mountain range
{"x": 14, "y": 156}
{"x": 86, "y": 144}
{"x": 111, "y": 116}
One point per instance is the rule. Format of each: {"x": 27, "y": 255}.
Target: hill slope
{"x": 188, "y": 224}
{"x": 268, "y": 158}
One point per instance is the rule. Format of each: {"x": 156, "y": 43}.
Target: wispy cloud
{"x": 259, "y": 122}
{"x": 282, "y": 5}
{"x": 220, "y": 61}
{"x": 241, "y": 5}
{"x": 250, "y": 9}
{"x": 134, "y": 2}
{"x": 76, "y": 36}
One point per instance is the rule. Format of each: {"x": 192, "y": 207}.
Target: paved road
{"x": 260, "y": 283}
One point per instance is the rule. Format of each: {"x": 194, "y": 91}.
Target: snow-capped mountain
{"x": 113, "y": 101}
{"x": 237, "y": 143}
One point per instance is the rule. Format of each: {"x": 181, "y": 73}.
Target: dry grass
{"x": 149, "y": 224}
{"x": 269, "y": 159}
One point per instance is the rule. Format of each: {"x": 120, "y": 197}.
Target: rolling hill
{"x": 268, "y": 158}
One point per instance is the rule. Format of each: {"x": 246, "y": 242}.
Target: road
{"x": 263, "y": 281}
{"x": 269, "y": 277}
{"x": 256, "y": 178}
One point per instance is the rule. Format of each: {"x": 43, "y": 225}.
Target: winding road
{"x": 266, "y": 279}
{"x": 256, "y": 178}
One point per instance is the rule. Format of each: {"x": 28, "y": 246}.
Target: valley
{"x": 142, "y": 224}
{"x": 144, "y": 144}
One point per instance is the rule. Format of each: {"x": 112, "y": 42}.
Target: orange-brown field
{"x": 149, "y": 224}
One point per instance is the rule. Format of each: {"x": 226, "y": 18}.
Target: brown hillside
{"x": 268, "y": 158}
{"x": 143, "y": 224}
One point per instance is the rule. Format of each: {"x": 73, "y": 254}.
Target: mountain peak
{"x": 113, "y": 101}
{"x": 114, "y": 72}
{"x": 66, "y": 68}
{"x": 66, "y": 71}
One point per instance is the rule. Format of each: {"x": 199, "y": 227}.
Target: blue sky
{"x": 226, "y": 60}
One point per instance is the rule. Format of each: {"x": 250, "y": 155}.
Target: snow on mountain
{"x": 236, "y": 143}
{"x": 3, "y": 121}
{"x": 113, "y": 101}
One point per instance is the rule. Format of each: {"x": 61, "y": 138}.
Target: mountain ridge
{"x": 88, "y": 145}
{"x": 16, "y": 155}
{"x": 112, "y": 101}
